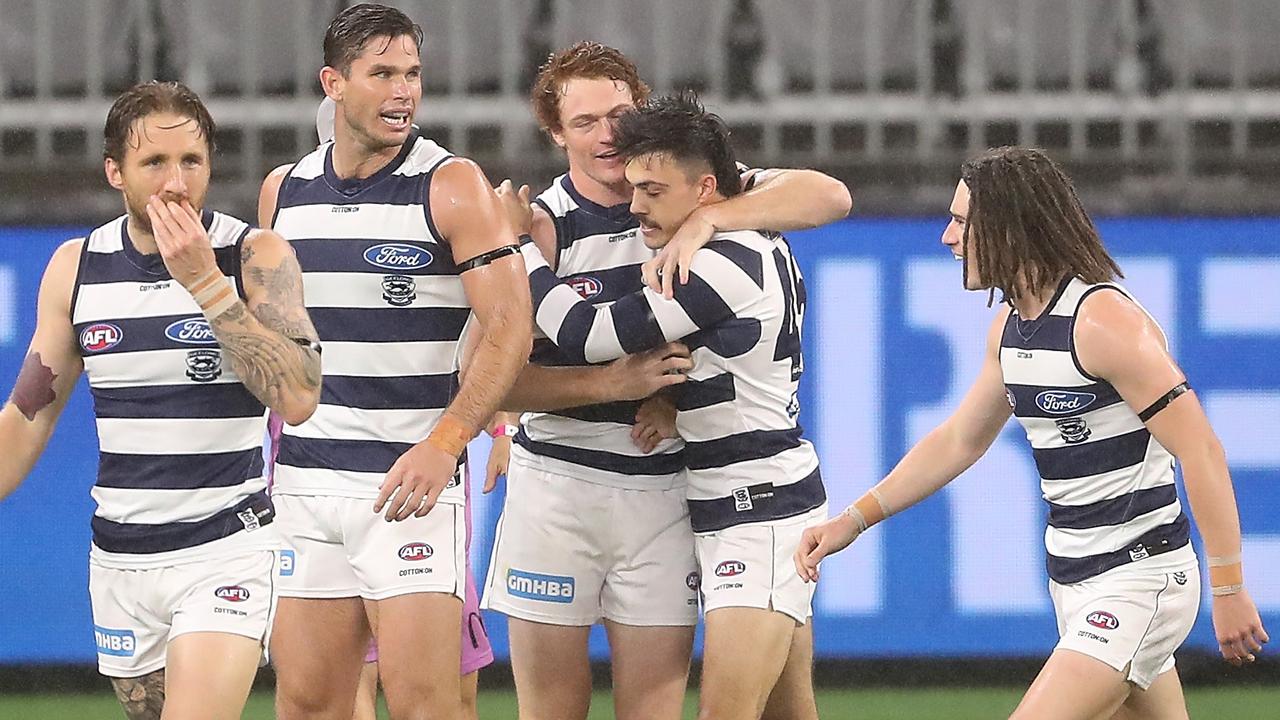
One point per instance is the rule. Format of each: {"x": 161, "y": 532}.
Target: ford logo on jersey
{"x": 587, "y": 287}
{"x": 397, "y": 256}
{"x": 415, "y": 551}
{"x": 191, "y": 331}
{"x": 1061, "y": 402}
{"x": 100, "y": 336}
{"x": 231, "y": 593}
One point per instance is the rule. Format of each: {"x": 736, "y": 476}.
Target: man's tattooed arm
{"x": 262, "y": 338}
{"x": 141, "y": 697}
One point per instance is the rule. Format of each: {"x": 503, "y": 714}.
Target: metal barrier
{"x": 1177, "y": 88}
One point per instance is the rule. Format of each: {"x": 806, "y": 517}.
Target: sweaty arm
{"x": 469, "y": 215}
{"x": 642, "y": 320}
{"x": 781, "y": 200}
{"x": 952, "y": 447}
{"x": 778, "y": 200}
{"x": 1117, "y": 341}
{"x": 48, "y": 373}
{"x": 939, "y": 457}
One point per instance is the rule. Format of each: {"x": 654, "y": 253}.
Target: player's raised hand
{"x": 677, "y": 255}
{"x": 415, "y": 482}
{"x": 1238, "y": 627}
{"x": 655, "y": 422}
{"x": 181, "y": 239}
{"x": 499, "y": 461}
{"x": 637, "y": 376}
{"x": 822, "y": 540}
{"x": 516, "y": 205}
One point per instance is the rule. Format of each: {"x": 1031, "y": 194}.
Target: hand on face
{"x": 181, "y": 239}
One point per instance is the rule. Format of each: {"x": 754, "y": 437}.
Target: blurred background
{"x": 1166, "y": 112}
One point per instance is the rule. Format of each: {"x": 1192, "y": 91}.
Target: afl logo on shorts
{"x": 399, "y": 290}
{"x": 100, "y": 336}
{"x": 204, "y": 365}
{"x": 729, "y": 568}
{"x": 191, "y": 331}
{"x": 415, "y": 551}
{"x": 694, "y": 581}
{"x": 1104, "y": 620}
{"x": 587, "y": 287}
{"x": 231, "y": 593}
{"x": 397, "y": 256}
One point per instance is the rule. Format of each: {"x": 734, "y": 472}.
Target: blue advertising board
{"x": 891, "y": 345}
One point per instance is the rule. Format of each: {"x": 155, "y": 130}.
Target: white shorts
{"x": 1129, "y": 618}
{"x": 571, "y": 552}
{"x": 752, "y": 566}
{"x": 338, "y": 547}
{"x": 136, "y": 612}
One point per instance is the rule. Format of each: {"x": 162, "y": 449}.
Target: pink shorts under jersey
{"x": 476, "y": 651}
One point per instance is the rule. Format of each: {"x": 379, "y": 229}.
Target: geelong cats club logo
{"x": 204, "y": 365}
{"x": 399, "y": 290}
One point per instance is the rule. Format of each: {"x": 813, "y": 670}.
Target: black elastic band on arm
{"x": 1164, "y": 401}
{"x": 308, "y": 343}
{"x": 486, "y": 258}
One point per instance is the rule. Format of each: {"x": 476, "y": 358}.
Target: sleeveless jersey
{"x": 180, "y": 438}
{"x": 387, "y": 301}
{"x": 599, "y": 252}
{"x": 1109, "y": 483}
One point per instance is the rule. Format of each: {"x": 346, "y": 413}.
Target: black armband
{"x": 486, "y": 258}
{"x": 308, "y": 343}
{"x": 1164, "y": 401}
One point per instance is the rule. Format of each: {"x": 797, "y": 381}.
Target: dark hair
{"x": 678, "y": 125}
{"x": 583, "y": 60}
{"x": 1028, "y": 225}
{"x": 146, "y": 99}
{"x": 354, "y": 27}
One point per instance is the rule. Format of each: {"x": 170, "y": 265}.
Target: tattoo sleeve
{"x": 142, "y": 697}
{"x": 259, "y": 340}
{"x": 34, "y": 390}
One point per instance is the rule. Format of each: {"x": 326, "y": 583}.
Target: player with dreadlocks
{"x": 1088, "y": 374}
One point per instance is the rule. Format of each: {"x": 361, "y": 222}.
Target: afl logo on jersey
{"x": 587, "y": 287}
{"x": 415, "y": 551}
{"x": 191, "y": 331}
{"x": 729, "y": 568}
{"x": 100, "y": 336}
{"x": 1061, "y": 402}
{"x": 231, "y": 593}
{"x": 397, "y": 256}
{"x": 1102, "y": 619}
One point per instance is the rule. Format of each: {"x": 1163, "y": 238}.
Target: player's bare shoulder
{"x": 1112, "y": 329}
{"x": 270, "y": 193}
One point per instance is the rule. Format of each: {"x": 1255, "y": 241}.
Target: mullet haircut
{"x": 679, "y": 127}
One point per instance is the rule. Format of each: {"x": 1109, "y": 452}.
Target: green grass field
{"x": 939, "y": 704}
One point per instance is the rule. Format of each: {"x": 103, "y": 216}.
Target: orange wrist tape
{"x": 450, "y": 436}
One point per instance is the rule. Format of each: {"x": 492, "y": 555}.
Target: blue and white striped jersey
{"x": 599, "y": 254}
{"x": 746, "y": 460}
{"x": 180, "y": 438}
{"x": 1108, "y": 482}
{"x": 387, "y": 300}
